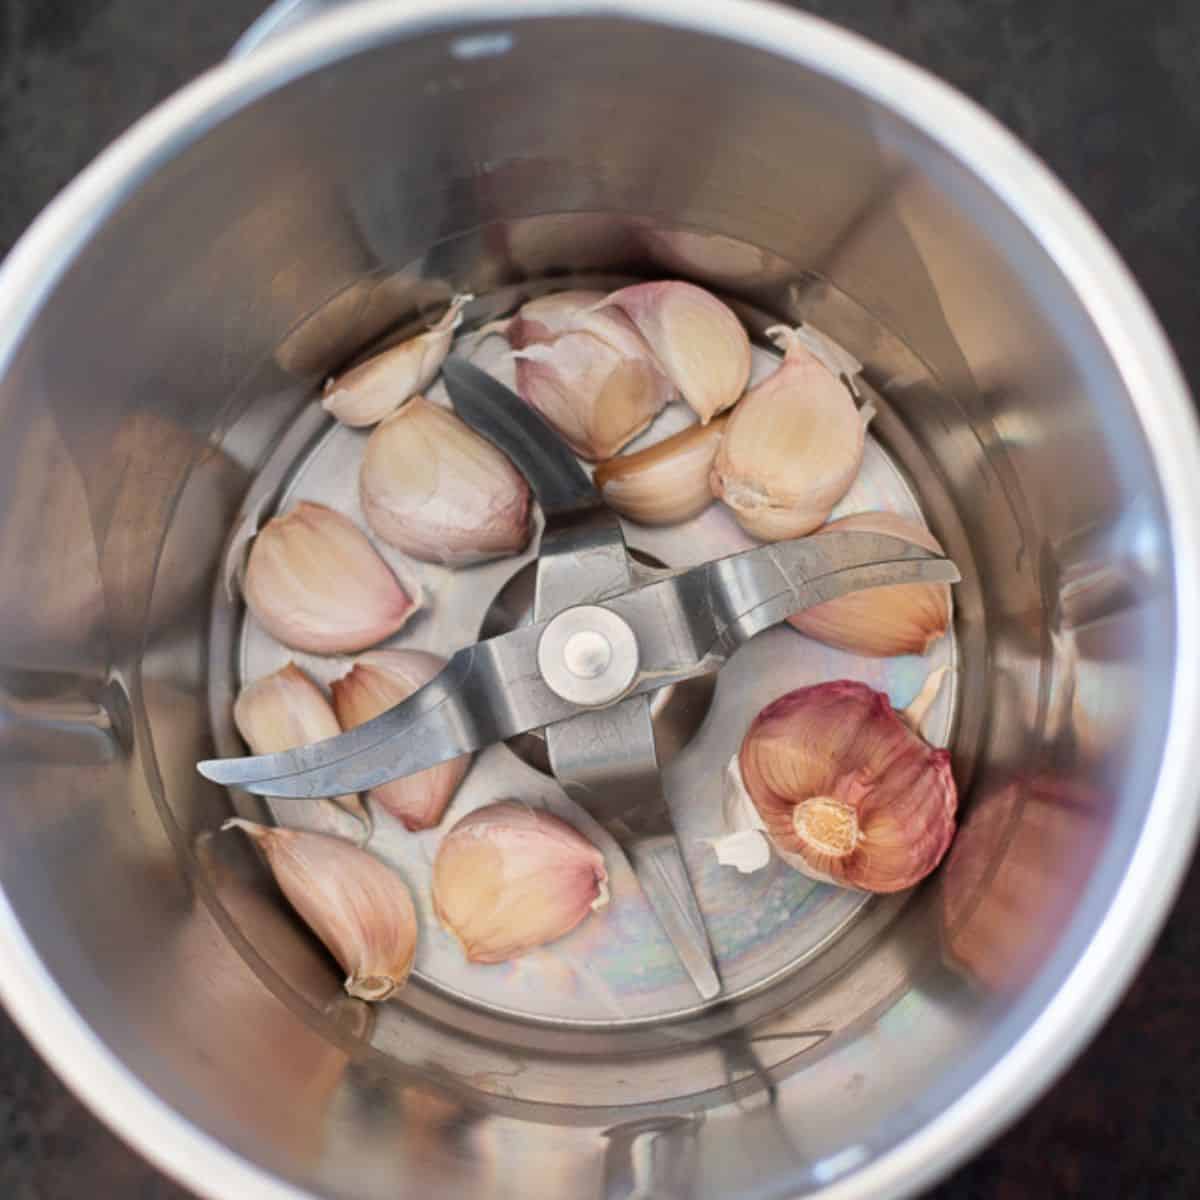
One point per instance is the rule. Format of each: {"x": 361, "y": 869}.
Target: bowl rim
{"x": 1139, "y": 349}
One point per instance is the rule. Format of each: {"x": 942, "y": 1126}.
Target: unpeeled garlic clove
{"x": 587, "y": 371}
{"x": 792, "y": 447}
{"x": 903, "y": 618}
{"x": 287, "y": 709}
{"x": 432, "y": 487}
{"x": 698, "y": 341}
{"x": 846, "y": 792}
{"x": 374, "y": 390}
{"x": 666, "y": 483}
{"x": 377, "y": 681}
{"x": 359, "y": 908}
{"x": 508, "y": 878}
{"x": 315, "y": 582}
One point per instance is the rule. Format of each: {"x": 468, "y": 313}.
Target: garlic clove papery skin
{"x": 847, "y": 793}
{"x": 905, "y": 618}
{"x": 587, "y": 371}
{"x": 368, "y": 393}
{"x": 314, "y": 581}
{"x": 792, "y": 448}
{"x": 666, "y": 483}
{"x": 287, "y": 709}
{"x": 595, "y": 398}
{"x": 432, "y": 487}
{"x": 698, "y": 341}
{"x": 508, "y": 878}
{"x": 360, "y": 909}
{"x": 378, "y": 680}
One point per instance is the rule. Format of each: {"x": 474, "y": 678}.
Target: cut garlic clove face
{"x": 847, "y": 793}
{"x": 315, "y": 582}
{"x": 792, "y": 448}
{"x": 432, "y": 487}
{"x": 287, "y": 709}
{"x": 666, "y": 483}
{"x": 508, "y": 878}
{"x": 904, "y": 618}
{"x": 377, "y": 681}
{"x": 359, "y": 908}
{"x": 368, "y": 393}
{"x": 697, "y": 339}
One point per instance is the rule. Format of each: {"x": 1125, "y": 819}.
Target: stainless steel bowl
{"x": 171, "y": 313}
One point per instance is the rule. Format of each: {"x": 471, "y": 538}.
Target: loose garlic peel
{"x": 792, "y": 448}
{"x": 287, "y": 709}
{"x": 666, "y": 483}
{"x": 374, "y": 390}
{"x": 508, "y": 879}
{"x": 314, "y": 581}
{"x": 698, "y": 341}
{"x": 432, "y": 487}
{"x": 359, "y": 908}
{"x": 842, "y": 789}
{"x": 587, "y": 371}
{"x": 377, "y": 681}
{"x": 905, "y": 618}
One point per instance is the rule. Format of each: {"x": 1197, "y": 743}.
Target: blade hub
{"x": 588, "y": 655}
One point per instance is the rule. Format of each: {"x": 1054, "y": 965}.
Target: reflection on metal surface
{"x": 60, "y": 720}
{"x": 1013, "y": 875}
{"x": 651, "y": 1158}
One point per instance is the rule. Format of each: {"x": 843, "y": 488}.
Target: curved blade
{"x": 560, "y": 484}
{"x": 691, "y": 622}
{"x": 685, "y": 624}
{"x": 485, "y": 694}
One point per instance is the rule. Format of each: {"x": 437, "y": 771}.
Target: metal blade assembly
{"x": 601, "y": 641}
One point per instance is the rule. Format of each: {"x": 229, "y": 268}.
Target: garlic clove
{"x": 508, "y": 878}
{"x": 847, "y": 793}
{"x": 666, "y": 483}
{"x": 374, "y": 390}
{"x": 316, "y": 583}
{"x": 548, "y": 317}
{"x": 903, "y": 618}
{"x": 791, "y": 449}
{"x": 287, "y": 709}
{"x": 698, "y": 341}
{"x": 595, "y": 396}
{"x": 358, "y": 907}
{"x": 432, "y": 487}
{"x": 377, "y": 681}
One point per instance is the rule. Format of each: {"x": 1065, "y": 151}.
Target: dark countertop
{"x": 1108, "y": 93}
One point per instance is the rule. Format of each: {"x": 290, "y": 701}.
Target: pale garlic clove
{"x": 360, "y": 908}
{"x": 315, "y": 582}
{"x": 903, "y": 618}
{"x": 508, "y": 878}
{"x": 791, "y": 449}
{"x": 287, "y": 709}
{"x": 846, "y": 791}
{"x": 595, "y": 398}
{"x": 587, "y": 371}
{"x": 377, "y": 681}
{"x": 548, "y": 317}
{"x": 432, "y": 487}
{"x": 666, "y": 483}
{"x": 368, "y": 393}
{"x": 697, "y": 339}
